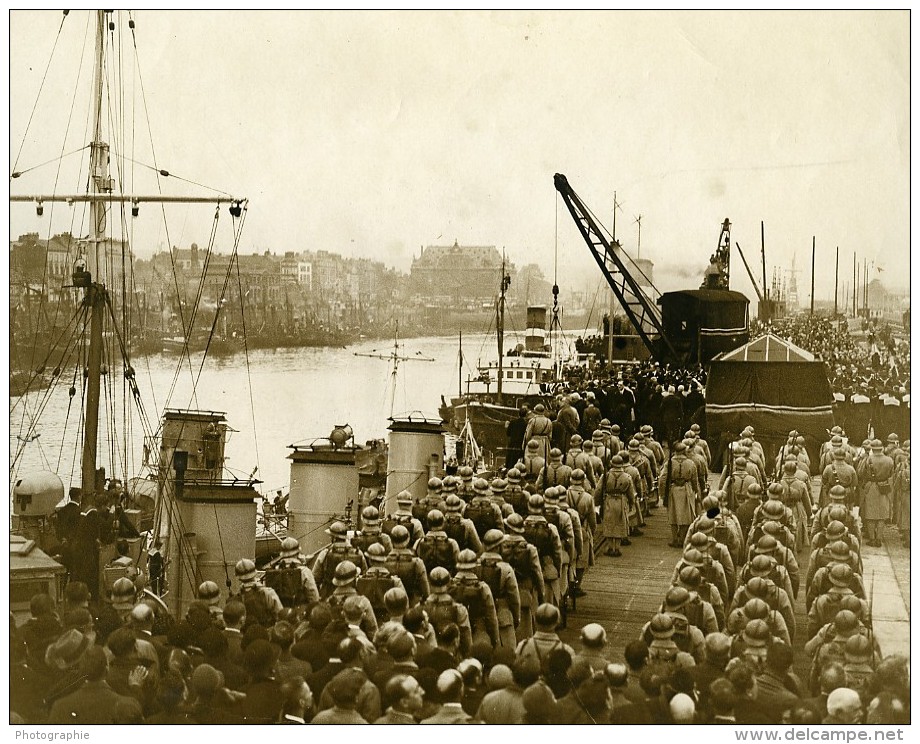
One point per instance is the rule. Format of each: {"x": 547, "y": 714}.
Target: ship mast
{"x": 500, "y": 326}
{"x": 95, "y": 297}
{"x": 89, "y": 271}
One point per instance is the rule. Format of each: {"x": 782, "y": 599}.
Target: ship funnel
{"x": 416, "y": 453}
{"x": 324, "y": 486}
{"x": 535, "y": 335}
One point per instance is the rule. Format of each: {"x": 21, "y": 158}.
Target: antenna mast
{"x": 395, "y": 357}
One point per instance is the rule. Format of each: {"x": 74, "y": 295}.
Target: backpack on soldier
{"x": 403, "y": 566}
{"x": 257, "y": 607}
{"x": 489, "y": 572}
{"x": 335, "y": 554}
{"x": 441, "y": 614}
{"x": 540, "y": 536}
{"x": 517, "y": 555}
{"x": 373, "y": 587}
{"x": 468, "y": 593}
{"x": 436, "y": 550}
{"x": 287, "y": 581}
{"x": 455, "y": 530}
{"x": 482, "y": 514}
{"x": 517, "y": 498}
{"x": 420, "y": 511}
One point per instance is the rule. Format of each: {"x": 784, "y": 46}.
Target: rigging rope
{"x": 40, "y": 88}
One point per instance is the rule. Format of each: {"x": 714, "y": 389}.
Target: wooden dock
{"x": 624, "y": 593}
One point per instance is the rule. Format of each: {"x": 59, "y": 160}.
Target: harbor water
{"x": 279, "y": 398}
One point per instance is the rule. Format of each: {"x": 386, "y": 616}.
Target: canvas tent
{"x": 774, "y": 386}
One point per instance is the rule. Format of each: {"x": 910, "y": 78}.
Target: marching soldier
{"x": 767, "y": 567}
{"x": 758, "y": 587}
{"x": 692, "y": 579}
{"x": 641, "y": 463}
{"x": 460, "y": 528}
{"x": 784, "y": 557}
{"x": 432, "y": 500}
{"x": 562, "y": 521}
{"x": 839, "y": 473}
{"x": 289, "y": 576}
{"x": 443, "y": 609}
{"x": 695, "y": 453}
{"x": 555, "y": 473}
{"x": 498, "y": 488}
{"x": 704, "y": 445}
{"x": 403, "y": 516}
{"x": 377, "y": 581}
{"x": 262, "y": 603}
{"x": 723, "y": 525}
{"x": 502, "y": 581}
{"x": 615, "y": 494}
{"x": 737, "y": 483}
{"x": 436, "y": 548}
{"x": 875, "y": 477}
{"x": 515, "y": 494}
{"x": 525, "y": 560}
{"x": 757, "y": 609}
{"x": 344, "y": 580}
{"x": 688, "y": 636}
{"x": 835, "y": 509}
{"x": 533, "y": 463}
{"x": 798, "y": 498}
{"x": 638, "y": 509}
{"x": 711, "y": 570}
{"x": 484, "y": 514}
{"x": 402, "y": 561}
{"x": 545, "y": 640}
{"x": 825, "y": 607}
{"x": 465, "y": 487}
{"x": 340, "y": 549}
{"x": 678, "y": 478}
{"x": 545, "y": 538}
{"x": 540, "y": 428}
{"x": 583, "y": 504}
{"x": 709, "y": 546}
{"x": 371, "y": 531}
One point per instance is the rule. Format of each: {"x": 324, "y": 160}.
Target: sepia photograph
{"x": 459, "y": 367}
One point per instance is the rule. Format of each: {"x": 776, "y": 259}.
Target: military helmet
{"x": 852, "y": 603}
{"x": 757, "y": 586}
{"x": 774, "y": 509}
{"x": 577, "y": 475}
{"x": 245, "y": 570}
{"x": 123, "y": 593}
{"x": 699, "y": 540}
{"x": 835, "y": 530}
{"x": 575, "y": 440}
{"x": 453, "y": 503}
{"x": 693, "y": 557}
{"x": 551, "y": 496}
{"x": 838, "y": 493}
{"x": 345, "y": 573}
{"x": 597, "y": 435}
{"x": 466, "y": 473}
{"x": 616, "y": 460}
{"x": 857, "y": 646}
{"x": 761, "y": 565}
{"x": 845, "y": 622}
{"x": 837, "y": 512}
{"x": 435, "y": 519}
{"x": 706, "y": 525}
{"x": 466, "y": 560}
{"x": 450, "y": 483}
{"x": 499, "y": 485}
{"x": 376, "y": 553}
{"x": 547, "y": 615}
{"x": 555, "y": 454}
{"x": 766, "y": 545}
{"x": 337, "y": 530}
{"x": 756, "y": 633}
{"x": 435, "y": 484}
{"x": 535, "y": 503}
{"x": 399, "y": 535}
{"x": 370, "y": 515}
{"x": 533, "y": 445}
{"x": 404, "y": 500}
{"x": 514, "y": 475}
{"x": 493, "y": 538}
{"x": 290, "y": 547}
{"x": 711, "y": 502}
{"x": 840, "y": 551}
{"x": 776, "y": 489}
{"x": 481, "y": 486}
{"x": 676, "y": 598}
{"x": 690, "y": 576}
{"x": 740, "y": 462}
{"x": 209, "y": 592}
{"x": 755, "y": 608}
{"x": 587, "y": 445}
{"x": 515, "y": 523}
{"x": 790, "y": 466}
{"x": 755, "y": 491}
{"x": 773, "y": 528}
{"x": 840, "y": 574}
{"x": 439, "y": 577}
{"x": 661, "y": 626}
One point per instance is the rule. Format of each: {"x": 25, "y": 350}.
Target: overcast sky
{"x": 372, "y": 134}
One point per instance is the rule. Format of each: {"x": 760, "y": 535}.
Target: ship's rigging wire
{"x": 39, "y": 93}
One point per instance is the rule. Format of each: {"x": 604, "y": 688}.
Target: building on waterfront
{"x": 457, "y": 275}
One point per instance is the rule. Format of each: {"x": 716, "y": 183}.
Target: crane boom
{"x": 750, "y": 274}
{"x": 640, "y": 309}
